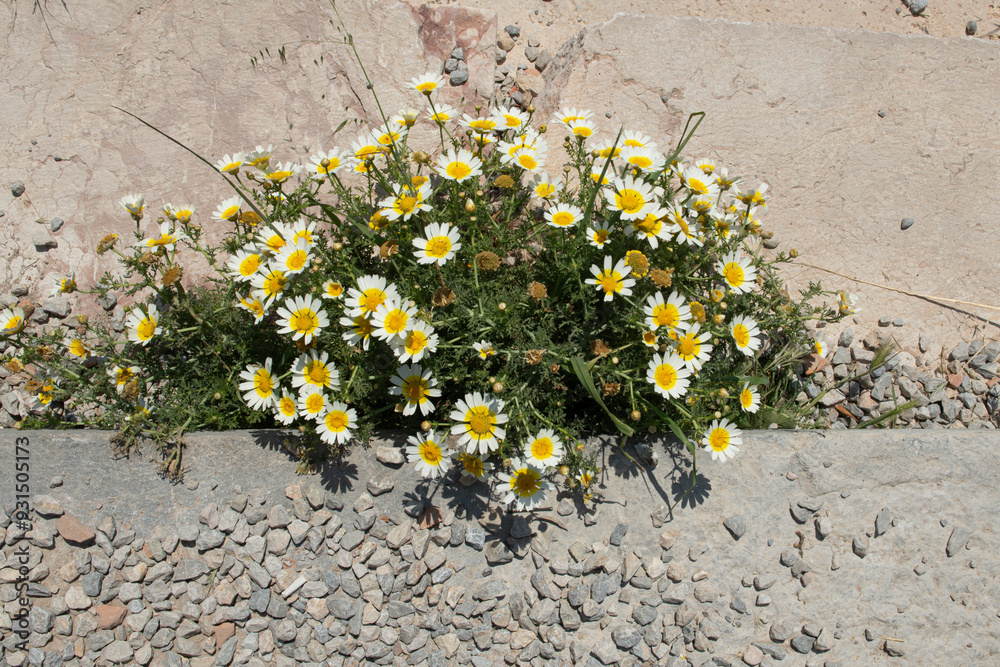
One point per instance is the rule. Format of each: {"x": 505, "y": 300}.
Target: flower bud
{"x": 652, "y": 428}
{"x": 531, "y": 108}
{"x": 325, "y": 163}
{"x": 502, "y": 305}
{"x": 718, "y": 415}
{"x": 497, "y": 387}
{"x": 216, "y": 395}
{"x": 636, "y": 415}
{"x": 723, "y": 305}
{"x": 506, "y": 463}
{"x": 425, "y": 425}
{"x": 793, "y": 253}
{"x": 614, "y": 360}
{"x": 542, "y": 129}
{"x": 564, "y": 471}
{"x": 470, "y": 206}
{"x": 420, "y": 157}
{"x": 83, "y": 320}
{"x": 580, "y": 447}
{"x": 718, "y": 318}
{"x": 338, "y": 245}
{"x": 723, "y": 393}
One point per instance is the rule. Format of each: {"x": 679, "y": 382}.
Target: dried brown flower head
{"x": 45, "y": 352}
{"x": 107, "y": 243}
{"x": 611, "y": 388}
{"x": 534, "y": 357}
{"x": 388, "y": 249}
{"x": 537, "y": 291}
{"x": 554, "y": 368}
{"x": 250, "y": 218}
{"x": 598, "y": 347}
{"x": 131, "y": 390}
{"x": 33, "y": 386}
{"x": 172, "y": 275}
{"x": 488, "y": 261}
{"x": 443, "y": 297}
{"x": 420, "y": 157}
{"x": 148, "y": 258}
{"x": 662, "y": 277}
{"x": 697, "y": 311}
{"x": 504, "y": 182}
{"x": 305, "y": 347}
{"x": 15, "y": 366}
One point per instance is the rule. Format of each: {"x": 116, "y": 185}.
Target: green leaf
{"x": 580, "y": 368}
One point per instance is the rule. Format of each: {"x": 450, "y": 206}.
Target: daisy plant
{"x": 427, "y": 275}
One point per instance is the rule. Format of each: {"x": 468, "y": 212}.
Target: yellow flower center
{"x": 315, "y": 403}
{"x": 406, "y": 204}
{"x": 733, "y": 273}
{"x": 746, "y": 398}
{"x": 687, "y": 347}
{"x": 274, "y": 283}
{"x": 481, "y": 421}
{"x": 336, "y": 420}
{"x": 649, "y": 338}
{"x": 666, "y": 315}
{"x": 317, "y": 373}
{"x": 545, "y": 190}
{"x": 666, "y": 376}
{"x": 426, "y": 87}
{"x": 542, "y": 448}
{"x": 396, "y": 321}
{"x": 279, "y": 176}
{"x": 287, "y": 406}
{"x": 371, "y": 299}
{"x": 415, "y": 389}
{"x": 438, "y": 247}
{"x": 525, "y": 482}
{"x": 633, "y": 143}
{"x": 335, "y": 289}
{"x": 363, "y": 326}
{"x": 14, "y": 323}
{"x": 458, "y": 170}
{"x": 297, "y": 260}
{"x": 146, "y": 329}
{"x": 741, "y": 335}
{"x": 77, "y": 348}
{"x": 162, "y": 241}
{"x": 527, "y": 161}
{"x": 483, "y": 124}
{"x": 304, "y": 321}
{"x": 582, "y": 131}
{"x": 563, "y": 219}
{"x": 416, "y": 340}
{"x": 512, "y": 120}
{"x": 249, "y": 265}
{"x": 641, "y": 161}
{"x": 629, "y": 200}
{"x": 472, "y": 464}
{"x": 230, "y": 212}
{"x": 719, "y": 439}
{"x": 606, "y": 152}
{"x": 430, "y": 452}
{"x": 610, "y": 282}
{"x": 601, "y": 236}
{"x": 275, "y": 243}
{"x": 262, "y": 383}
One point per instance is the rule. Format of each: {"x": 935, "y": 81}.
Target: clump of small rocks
{"x": 521, "y": 83}
{"x": 961, "y": 389}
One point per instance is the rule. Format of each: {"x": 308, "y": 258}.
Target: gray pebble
{"x": 736, "y": 525}
{"x": 618, "y": 534}
{"x": 458, "y": 77}
{"x": 882, "y": 522}
{"x": 450, "y": 65}
{"x": 971, "y": 28}
{"x": 898, "y": 322}
{"x": 881, "y": 113}
{"x": 531, "y": 53}
{"x": 43, "y": 242}
{"x": 957, "y": 541}
{"x": 846, "y": 338}
{"x": 534, "y": 42}
{"x": 803, "y": 643}
{"x": 861, "y": 546}
{"x": 56, "y": 481}
{"x": 17, "y": 188}
{"x": 457, "y": 53}
{"x": 543, "y": 60}
{"x": 917, "y": 6}
{"x": 513, "y": 31}
{"x": 906, "y": 223}
{"x": 884, "y": 321}
{"x": 55, "y": 224}
{"x": 475, "y": 536}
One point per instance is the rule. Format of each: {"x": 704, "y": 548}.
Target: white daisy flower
{"x": 280, "y": 173}
{"x": 570, "y": 114}
{"x": 335, "y": 426}
{"x": 167, "y": 239}
{"x": 459, "y": 166}
{"x": 599, "y": 235}
{"x": 75, "y": 346}
{"x": 427, "y": 83}
{"x": 312, "y": 402}
{"x": 635, "y": 139}
{"x": 416, "y": 385}
{"x": 371, "y": 293}
{"x": 685, "y": 230}
{"x": 582, "y": 128}
{"x": 651, "y": 227}
{"x": 646, "y": 160}
{"x": 442, "y": 114}
{"x": 429, "y": 453}
{"x": 294, "y": 258}
{"x": 360, "y": 332}
{"x": 668, "y": 375}
{"x": 480, "y": 125}
{"x": 524, "y": 485}
{"x": 366, "y": 147}
{"x": 122, "y": 375}
{"x": 755, "y": 198}
{"x": 745, "y": 334}
{"x": 419, "y": 341}
{"x": 819, "y": 347}
{"x": 739, "y": 272}
{"x": 143, "y": 326}
{"x": 405, "y": 201}
{"x": 528, "y": 158}
{"x": 484, "y": 349}
{"x": 63, "y": 285}
{"x": 260, "y": 386}
{"x": 563, "y": 215}
{"x": 749, "y": 398}
{"x": 12, "y": 320}
{"x": 633, "y": 198}
{"x": 699, "y": 183}
{"x": 545, "y": 450}
{"x": 230, "y": 164}
{"x": 313, "y": 369}
{"x": 848, "y": 303}
{"x": 253, "y": 305}
{"x": 692, "y": 348}
{"x": 178, "y": 214}
{"x": 134, "y": 204}
{"x": 542, "y": 188}
{"x": 301, "y": 230}
{"x": 440, "y": 245}
{"x": 610, "y": 280}
{"x": 228, "y": 210}
{"x": 393, "y": 318}
{"x": 722, "y": 439}
{"x": 286, "y": 408}
{"x": 244, "y": 264}
{"x": 479, "y": 419}
{"x": 333, "y": 289}
{"x": 325, "y": 163}
{"x": 271, "y": 239}
{"x": 269, "y": 284}
{"x": 259, "y": 157}
{"x": 673, "y": 313}
{"x": 511, "y": 118}
{"x": 303, "y": 317}
{"x": 391, "y": 134}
